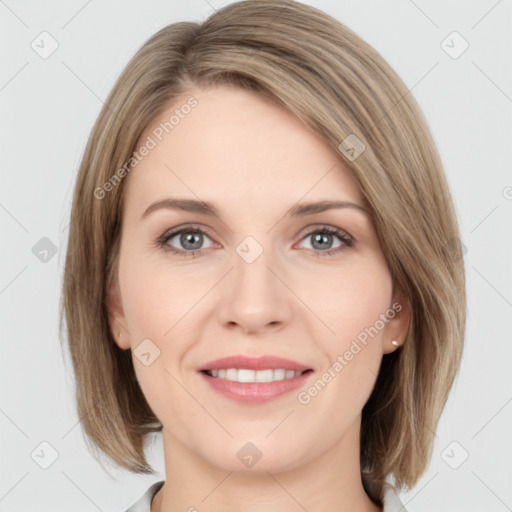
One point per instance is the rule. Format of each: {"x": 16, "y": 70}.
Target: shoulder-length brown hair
{"x": 339, "y": 86}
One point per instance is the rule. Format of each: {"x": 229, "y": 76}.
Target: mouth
{"x": 247, "y": 375}
{"x": 254, "y": 380}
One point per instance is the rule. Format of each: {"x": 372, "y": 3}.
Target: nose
{"x": 254, "y": 297}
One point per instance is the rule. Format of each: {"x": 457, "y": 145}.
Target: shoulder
{"x": 143, "y": 504}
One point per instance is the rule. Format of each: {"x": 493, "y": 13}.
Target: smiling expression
{"x": 278, "y": 257}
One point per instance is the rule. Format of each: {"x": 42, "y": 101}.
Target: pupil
{"x": 187, "y": 240}
{"x": 322, "y": 238}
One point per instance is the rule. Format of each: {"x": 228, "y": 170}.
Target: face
{"x": 260, "y": 278}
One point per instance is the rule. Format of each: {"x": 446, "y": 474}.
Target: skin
{"x": 254, "y": 161}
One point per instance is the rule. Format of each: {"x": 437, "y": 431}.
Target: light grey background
{"x": 48, "y": 107}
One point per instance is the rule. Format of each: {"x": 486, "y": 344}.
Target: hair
{"x": 337, "y": 85}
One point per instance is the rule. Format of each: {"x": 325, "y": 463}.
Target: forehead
{"x": 239, "y": 146}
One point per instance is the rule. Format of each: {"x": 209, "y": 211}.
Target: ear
{"x": 116, "y": 318}
{"x": 399, "y": 315}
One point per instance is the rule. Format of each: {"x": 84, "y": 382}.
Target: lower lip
{"x": 255, "y": 392}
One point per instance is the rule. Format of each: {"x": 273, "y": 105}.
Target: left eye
{"x": 322, "y": 240}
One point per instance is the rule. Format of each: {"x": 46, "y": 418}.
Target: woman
{"x": 264, "y": 265}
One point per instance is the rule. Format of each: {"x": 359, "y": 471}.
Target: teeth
{"x": 244, "y": 375}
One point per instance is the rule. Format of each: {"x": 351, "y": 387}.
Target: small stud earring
{"x": 395, "y": 343}
{"x": 119, "y": 334}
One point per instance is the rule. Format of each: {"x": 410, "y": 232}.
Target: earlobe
{"x": 398, "y": 326}
{"x": 116, "y": 319}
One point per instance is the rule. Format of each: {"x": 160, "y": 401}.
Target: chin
{"x": 254, "y": 456}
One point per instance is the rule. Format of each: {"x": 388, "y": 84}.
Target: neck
{"x": 331, "y": 481}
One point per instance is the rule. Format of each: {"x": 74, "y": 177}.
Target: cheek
{"x": 352, "y": 308}
{"x": 363, "y": 298}
{"x": 348, "y": 299}
{"x": 155, "y": 297}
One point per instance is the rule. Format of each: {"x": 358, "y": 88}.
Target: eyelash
{"x": 161, "y": 242}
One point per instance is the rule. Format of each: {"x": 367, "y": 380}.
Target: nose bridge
{"x": 253, "y": 296}
{"x": 252, "y": 278}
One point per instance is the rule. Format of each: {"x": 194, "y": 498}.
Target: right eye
{"x": 190, "y": 238}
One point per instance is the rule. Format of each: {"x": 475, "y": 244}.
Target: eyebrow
{"x": 300, "y": 210}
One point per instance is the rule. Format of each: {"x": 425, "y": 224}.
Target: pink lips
{"x": 255, "y": 392}
{"x": 254, "y": 363}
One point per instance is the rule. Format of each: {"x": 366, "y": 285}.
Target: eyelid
{"x": 327, "y": 227}
{"x": 187, "y": 227}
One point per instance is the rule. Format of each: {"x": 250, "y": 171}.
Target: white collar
{"x": 391, "y": 501}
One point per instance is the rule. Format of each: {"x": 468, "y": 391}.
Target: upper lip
{"x": 254, "y": 363}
